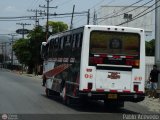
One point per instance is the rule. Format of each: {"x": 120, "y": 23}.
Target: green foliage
{"x": 20, "y": 48}
{"x": 28, "y": 50}
{"x": 150, "y": 48}
{"x": 57, "y": 26}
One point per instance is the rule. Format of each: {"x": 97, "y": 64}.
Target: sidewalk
{"x": 29, "y": 75}
{"x": 152, "y": 104}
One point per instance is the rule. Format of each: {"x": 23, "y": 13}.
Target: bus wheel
{"x": 65, "y": 98}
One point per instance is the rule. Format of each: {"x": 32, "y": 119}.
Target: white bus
{"x": 95, "y": 62}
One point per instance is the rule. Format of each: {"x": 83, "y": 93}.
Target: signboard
{"x": 22, "y": 31}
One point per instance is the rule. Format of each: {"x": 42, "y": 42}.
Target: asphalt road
{"x": 24, "y": 96}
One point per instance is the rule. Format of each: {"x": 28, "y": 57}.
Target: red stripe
{"x": 100, "y": 90}
{"x": 57, "y": 70}
{"x": 103, "y": 55}
{"x": 86, "y": 90}
{"x": 113, "y": 91}
{"x": 126, "y": 91}
{"x": 129, "y": 57}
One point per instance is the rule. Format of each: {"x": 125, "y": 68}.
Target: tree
{"x": 57, "y": 26}
{"x": 28, "y": 50}
{"x": 150, "y": 48}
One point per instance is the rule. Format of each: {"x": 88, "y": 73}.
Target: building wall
{"x": 144, "y": 22}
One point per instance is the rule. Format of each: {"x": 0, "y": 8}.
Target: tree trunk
{"x": 30, "y": 69}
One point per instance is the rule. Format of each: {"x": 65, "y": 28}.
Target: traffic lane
{"x": 27, "y": 96}
{"x": 23, "y": 95}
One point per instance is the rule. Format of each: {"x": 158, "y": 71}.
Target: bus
{"x": 95, "y": 62}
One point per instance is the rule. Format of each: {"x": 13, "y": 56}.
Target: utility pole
{"x": 72, "y": 17}
{"x": 2, "y": 54}
{"x": 157, "y": 36}
{"x": 23, "y": 24}
{"x": 47, "y": 26}
{"x": 88, "y": 17}
{"x": 12, "y": 35}
{"x": 36, "y": 16}
{"x": 95, "y": 18}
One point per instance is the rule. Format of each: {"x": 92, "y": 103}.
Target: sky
{"x": 17, "y": 8}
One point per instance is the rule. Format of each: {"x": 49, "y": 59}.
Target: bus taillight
{"x": 132, "y": 63}
{"x": 96, "y": 60}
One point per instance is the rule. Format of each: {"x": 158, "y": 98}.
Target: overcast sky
{"x": 16, "y": 8}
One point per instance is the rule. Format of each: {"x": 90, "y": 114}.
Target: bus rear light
{"x": 132, "y": 62}
{"x": 129, "y": 57}
{"x": 90, "y": 85}
{"x": 136, "y": 88}
{"x": 96, "y": 60}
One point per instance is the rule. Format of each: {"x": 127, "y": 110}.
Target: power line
{"x": 47, "y": 7}
{"x": 136, "y": 17}
{"x": 79, "y": 20}
{"x": 124, "y": 12}
{"x": 124, "y": 8}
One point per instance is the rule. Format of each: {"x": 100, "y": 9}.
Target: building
{"x": 115, "y": 15}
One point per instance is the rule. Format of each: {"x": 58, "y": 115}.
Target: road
{"x": 23, "y": 95}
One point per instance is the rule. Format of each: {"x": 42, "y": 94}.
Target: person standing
{"x": 153, "y": 79}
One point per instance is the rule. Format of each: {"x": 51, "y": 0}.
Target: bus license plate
{"x": 112, "y": 96}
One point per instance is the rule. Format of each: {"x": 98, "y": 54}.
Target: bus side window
{"x": 79, "y": 40}
{"x": 46, "y": 52}
{"x": 74, "y": 41}
{"x": 68, "y": 41}
{"x": 62, "y": 42}
{"x": 50, "y": 49}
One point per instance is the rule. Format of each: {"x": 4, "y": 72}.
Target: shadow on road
{"x": 91, "y": 106}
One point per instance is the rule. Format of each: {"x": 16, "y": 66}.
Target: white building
{"x": 115, "y": 15}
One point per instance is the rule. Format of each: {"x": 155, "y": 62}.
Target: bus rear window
{"x": 103, "y": 43}
{"x": 114, "y": 43}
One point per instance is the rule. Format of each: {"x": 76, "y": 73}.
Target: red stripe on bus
{"x": 129, "y": 57}
{"x": 113, "y": 91}
{"x": 57, "y": 70}
{"x": 100, "y": 90}
{"x": 126, "y": 91}
{"x": 86, "y": 90}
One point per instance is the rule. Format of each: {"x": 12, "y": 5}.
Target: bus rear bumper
{"x": 133, "y": 97}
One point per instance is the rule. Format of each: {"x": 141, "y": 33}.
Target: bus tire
{"x": 65, "y": 99}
